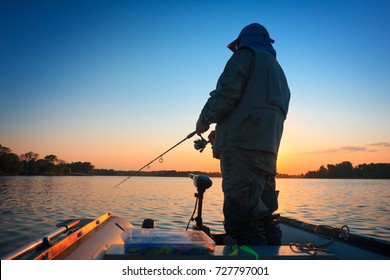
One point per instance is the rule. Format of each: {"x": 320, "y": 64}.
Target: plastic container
{"x": 167, "y": 242}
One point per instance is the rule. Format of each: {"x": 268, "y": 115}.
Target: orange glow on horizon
{"x": 132, "y": 156}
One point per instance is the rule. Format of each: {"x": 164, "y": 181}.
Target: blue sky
{"x": 118, "y": 82}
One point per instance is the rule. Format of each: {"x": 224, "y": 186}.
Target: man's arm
{"x": 231, "y": 85}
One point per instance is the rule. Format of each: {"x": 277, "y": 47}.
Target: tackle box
{"x": 141, "y": 241}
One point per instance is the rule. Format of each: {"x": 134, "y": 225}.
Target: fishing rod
{"x": 199, "y": 144}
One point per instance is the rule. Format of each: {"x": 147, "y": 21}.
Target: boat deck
{"x": 103, "y": 238}
{"x": 112, "y": 247}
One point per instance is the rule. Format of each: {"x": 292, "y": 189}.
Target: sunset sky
{"x": 117, "y": 83}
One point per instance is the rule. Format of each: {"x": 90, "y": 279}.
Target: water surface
{"x": 31, "y": 206}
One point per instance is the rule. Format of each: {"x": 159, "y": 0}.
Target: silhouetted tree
{"x": 52, "y": 159}
{"x": 81, "y": 167}
{"x": 28, "y": 160}
{"x": 4, "y": 150}
{"x": 346, "y": 170}
{"x": 10, "y": 163}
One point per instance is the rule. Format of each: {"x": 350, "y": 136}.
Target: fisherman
{"x": 249, "y": 107}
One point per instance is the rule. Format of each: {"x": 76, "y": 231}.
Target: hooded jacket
{"x": 250, "y": 102}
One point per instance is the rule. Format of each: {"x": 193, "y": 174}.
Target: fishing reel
{"x": 200, "y": 144}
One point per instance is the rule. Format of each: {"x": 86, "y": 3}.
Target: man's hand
{"x": 211, "y": 137}
{"x": 201, "y": 127}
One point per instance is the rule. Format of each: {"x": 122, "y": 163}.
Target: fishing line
{"x": 157, "y": 158}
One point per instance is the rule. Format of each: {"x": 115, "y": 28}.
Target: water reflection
{"x": 31, "y": 206}
{"x": 364, "y": 205}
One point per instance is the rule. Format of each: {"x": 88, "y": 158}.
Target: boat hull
{"x": 103, "y": 238}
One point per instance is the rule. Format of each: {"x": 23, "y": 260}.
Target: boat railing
{"x": 46, "y": 240}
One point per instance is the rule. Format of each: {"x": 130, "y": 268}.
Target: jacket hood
{"x": 253, "y": 35}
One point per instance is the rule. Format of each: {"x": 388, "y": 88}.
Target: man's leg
{"x": 243, "y": 207}
{"x": 271, "y": 221}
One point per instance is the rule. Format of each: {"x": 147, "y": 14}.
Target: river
{"x": 31, "y": 206}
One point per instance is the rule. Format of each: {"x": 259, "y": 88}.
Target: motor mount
{"x": 202, "y": 183}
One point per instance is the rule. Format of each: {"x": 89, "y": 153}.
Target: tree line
{"x": 30, "y": 164}
{"x": 345, "y": 169}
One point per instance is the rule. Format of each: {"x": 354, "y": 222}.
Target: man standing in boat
{"x": 249, "y": 107}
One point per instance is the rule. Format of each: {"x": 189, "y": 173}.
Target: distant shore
{"x": 30, "y": 164}
{"x": 172, "y": 173}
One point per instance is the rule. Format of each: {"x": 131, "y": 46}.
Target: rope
{"x": 309, "y": 248}
{"x": 313, "y": 249}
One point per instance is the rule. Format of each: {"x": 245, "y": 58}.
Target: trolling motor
{"x": 202, "y": 183}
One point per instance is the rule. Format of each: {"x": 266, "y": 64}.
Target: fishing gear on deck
{"x": 200, "y": 144}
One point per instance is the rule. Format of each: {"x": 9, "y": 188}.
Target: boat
{"x": 111, "y": 237}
